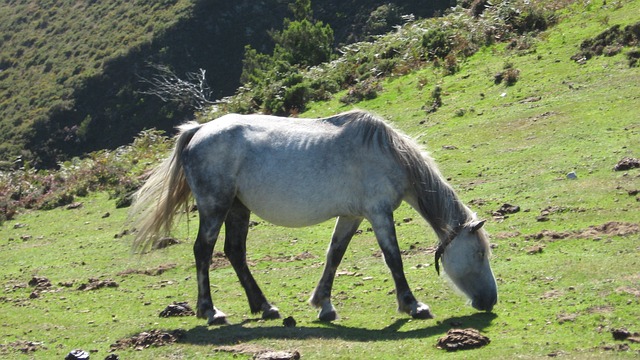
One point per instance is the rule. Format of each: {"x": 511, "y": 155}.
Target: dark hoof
{"x": 218, "y": 320}
{"x": 217, "y": 317}
{"x": 421, "y": 311}
{"x": 271, "y": 314}
{"x": 328, "y": 316}
{"x": 424, "y": 315}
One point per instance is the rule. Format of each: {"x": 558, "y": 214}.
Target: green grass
{"x": 562, "y": 301}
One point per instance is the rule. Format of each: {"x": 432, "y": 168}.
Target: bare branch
{"x": 192, "y": 91}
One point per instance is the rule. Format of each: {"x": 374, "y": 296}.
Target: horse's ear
{"x": 476, "y": 225}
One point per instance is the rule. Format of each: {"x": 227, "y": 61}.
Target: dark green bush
{"x": 304, "y": 43}
{"x": 437, "y": 42}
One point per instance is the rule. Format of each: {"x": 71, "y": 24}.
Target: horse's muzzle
{"x": 485, "y": 303}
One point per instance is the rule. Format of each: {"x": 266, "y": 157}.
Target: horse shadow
{"x": 237, "y": 333}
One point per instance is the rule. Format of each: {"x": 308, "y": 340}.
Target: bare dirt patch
{"x": 23, "y": 346}
{"x": 535, "y": 249}
{"x": 305, "y": 255}
{"x": 629, "y": 290}
{"x": 594, "y": 232}
{"x": 550, "y": 210}
{"x": 612, "y": 228}
{"x": 151, "y": 272}
{"x": 506, "y": 235}
{"x": 462, "y": 339}
{"x": 40, "y": 283}
{"x": 95, "y": 284}
{"x": 548, "y": 235}
{"x": 551, "y": 294}
{"x": 219, "y": 260}
{"x": 563, "y": 318}
{"x": 148, "y": 339}
{"x": 259, "y": 352}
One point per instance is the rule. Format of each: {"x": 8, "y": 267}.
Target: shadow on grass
{"x": 233, "y": 334}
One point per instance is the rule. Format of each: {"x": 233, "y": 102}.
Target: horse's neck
{"x": 442, "y": 209}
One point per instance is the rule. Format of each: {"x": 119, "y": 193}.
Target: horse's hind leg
{"x": 203, "y": 251}
{"x": 385, "y": 232}
{"x": 236, "y": 229}
{"x": 342, "y": 234}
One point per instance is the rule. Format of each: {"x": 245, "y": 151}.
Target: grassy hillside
{"x": 69, "y": 70}
{"x": 566, "y": 263}
{"x": 51, "y": 49}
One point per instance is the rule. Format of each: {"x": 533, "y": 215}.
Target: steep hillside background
{"x": 69, "y": 70}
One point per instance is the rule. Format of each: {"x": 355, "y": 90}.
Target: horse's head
{"x": 465, "y": 258}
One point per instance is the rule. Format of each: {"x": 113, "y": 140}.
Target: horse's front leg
{"x": 385, "y": 232}
{"x": 344, "y": 230}
{"x": 236, "y": 229}
{"x": 203, "y": 251}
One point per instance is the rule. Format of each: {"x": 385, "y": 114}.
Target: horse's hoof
{"x": 421, "y": 311}
{"x": 217, "y": 317}
{"x": 328, "y": 316}
{"x": 271, "y": 314}
{"x": 218, "y": 320}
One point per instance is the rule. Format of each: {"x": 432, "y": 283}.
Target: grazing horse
{"x": 300, "y": 172}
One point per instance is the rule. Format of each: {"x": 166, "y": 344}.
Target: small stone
{"x": 177, "y": 309}
{"x": 75, "y": 205}
{"x": 572, "y": 175}
{"x": 536, "y": 249}
{"x": 620, "y": 334}
{"x": 289, "y": 322}
{"x": 77, "y": 355}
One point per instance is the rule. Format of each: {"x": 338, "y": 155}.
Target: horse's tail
{"x": 158, "y": 200}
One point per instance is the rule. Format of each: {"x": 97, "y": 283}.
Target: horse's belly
{"x": 291, "y": 218}
{"x": 290, "y": 211}
{"x": 296, "y": 204}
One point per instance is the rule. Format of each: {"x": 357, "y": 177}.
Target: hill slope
{"x": 69, "y": 69}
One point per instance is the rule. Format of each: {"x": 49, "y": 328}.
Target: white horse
{"x": 300, "y": 172}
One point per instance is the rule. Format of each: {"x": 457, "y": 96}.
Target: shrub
{"x": 509, "y": 76}
{"x": 115, "y": 171}
{"x": 273, "y": 83}
{"x": 451, "y": 64}
{"x": 437, "y": 42}
{"x": 382, "y": 19}
{"x": 365, "y": 90}
{"x": 533, "y": 19}
{"x": 304, "y": 43}
{"x": 633, "y": 56}
{"x": 435, "y": 100}
{"x": 610, "y": 42}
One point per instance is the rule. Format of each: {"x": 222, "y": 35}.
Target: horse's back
{"x": 295, "y": 172}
